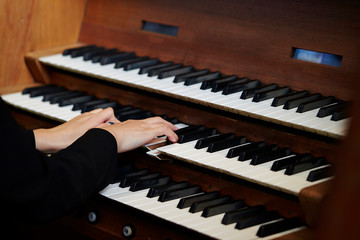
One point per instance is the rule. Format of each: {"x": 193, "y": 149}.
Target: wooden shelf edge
{"x": 311, "y": 200}
{"x": 38, "y": 70}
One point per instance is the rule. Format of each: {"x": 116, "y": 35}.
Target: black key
{"x": 198, "y": 79}
{"x": 320, "y": 173}
{"x": 257, "y": 219}
{"x": 69, "y": 94}
{"x": 278, "y": 101}
{"x": 234, "y": 216}
{"x": 147, "y": 69}
{"x": 329, "y": 110}
{"x": 141, "y": 184}
{"x": 79, "y": 53}
{"x": 188, "y": 201}
{"x": 303, "y": 166}
{"x": 237, "y": 151}
{"x": 172, "y": 120}
{"x": 29, "y": 89}
{"x": 136, "y": 172}
{"x": 270, "y": 156}
{"x": 70, "y": 50}
{"x": 46, "y": 91}
{"x": 240, "y": 85}
{"x": 116, "y": 57}
{"x": 196, "y": 135}
{"x": 189, "y": 129}
{"x": 223, "y": 208}
{"x": 39, "y": 91}
{"x": 101, "y": 105}
{"x": 121, "y": 171}
{"x": 123, "y": 63}
{"x": 97, "y": 58}
{"x": 122, "y": 108}
{"x": 220, "y": 85}
{"x": 84, "y": 106}
{"x": 201, "y": 205}
{"x": 271, "y": 94}
{"x": 156, "y": 191}
{"x": 210, "y": 83}
{"x": 283, "y": 163}
{"x": 337, "y": 116}
{"x": 48, "y": 96}
{"x": 136, "y": 116}
{"x": 247, "y": 155}
{"x": 185, "y": 76}
{"x": 249, "y": 93}
{"x": 127, "y": 181}
{"x": 140, "y": 64}
{"x": 174, "y": 72}
{"x": 205, "y": 142}
{"x": 307, "y": 106}
{"x": 157, "y": 71}
{"x": 75, "y": 100}
{"x": 226, "y": 143}
{"x": 179, "y": 193}
{"x": 278, "y": 226}
{"x": 98, "y": 53}
{"x": 293, "y": 103}
{"x": 126, "y": 112}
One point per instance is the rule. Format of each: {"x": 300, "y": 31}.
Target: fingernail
{"x": 111, "y": 123}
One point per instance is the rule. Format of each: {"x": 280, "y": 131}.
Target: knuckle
{"x": 156, "y": 118}
{"x": 110, "y": 109}
{"x": 164, "y": 128}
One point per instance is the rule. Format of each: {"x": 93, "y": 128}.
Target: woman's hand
{"x": 132, "y": 134}
{"x": 129, "y": 134}
{"x": 59, "y": 137}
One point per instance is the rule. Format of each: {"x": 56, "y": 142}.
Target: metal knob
{"x": 93, "y": 217}
{"x": 129, "y": 231}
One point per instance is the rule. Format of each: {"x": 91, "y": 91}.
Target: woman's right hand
{"x": 132, "y": 134}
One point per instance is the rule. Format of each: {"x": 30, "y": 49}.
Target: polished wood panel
{"x": 33, "y": 25}
{"x": 340, "y": 213}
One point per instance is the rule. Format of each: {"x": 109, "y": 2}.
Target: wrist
{"x": 45, "y": 140}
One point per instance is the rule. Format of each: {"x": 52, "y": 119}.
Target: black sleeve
{"x": 38, "y": 188}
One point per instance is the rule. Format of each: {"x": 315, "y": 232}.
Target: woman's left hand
{"x": 60, "y": 137}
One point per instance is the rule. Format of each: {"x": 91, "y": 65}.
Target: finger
{"x": 105, "y": 115}
{"x": 112, "y": 117}
{"x": 97, "y": 110}
{"x": 163, "y": 129}
{"x": 159, "y": 120}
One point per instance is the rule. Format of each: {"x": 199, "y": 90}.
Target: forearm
{"x": 65, "y": 179}
{"x": 46, "y": 140}
{"x": 57, "y": 138}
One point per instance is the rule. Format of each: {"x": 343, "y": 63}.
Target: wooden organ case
{"x": 276, "y": 42}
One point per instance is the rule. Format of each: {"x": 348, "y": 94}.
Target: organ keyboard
{"x": 246, "y": 97}
{"x": 253, "y": 161}
{"x": 260, "y": 112}
{"x": 209, "y": 213}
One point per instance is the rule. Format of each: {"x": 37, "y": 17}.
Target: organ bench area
{"x": 261, "y": 92}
